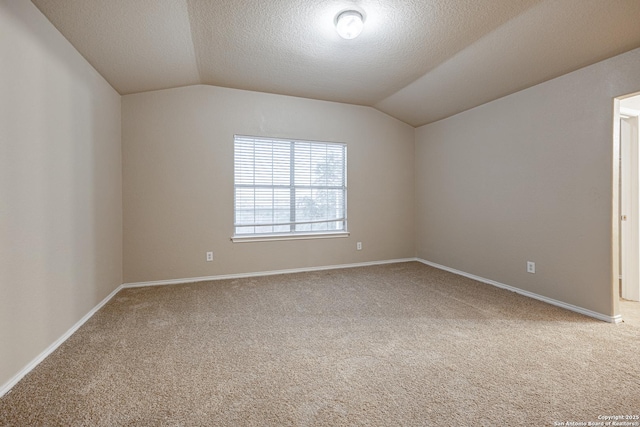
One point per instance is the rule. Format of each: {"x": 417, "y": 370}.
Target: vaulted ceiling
{"x": 417, "y": 60}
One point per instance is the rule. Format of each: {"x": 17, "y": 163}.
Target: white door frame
{"x": 630, "y": 203}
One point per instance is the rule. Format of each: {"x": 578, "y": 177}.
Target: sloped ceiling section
{"x": 551, "y": 39}
{"x": 418, "y": 61}
{"x": 137, "y": 46}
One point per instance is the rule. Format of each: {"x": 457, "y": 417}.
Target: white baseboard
{"x": 6, "y": 387}
{"x": 262, "y": 273}
{"x": 571, "y": 307}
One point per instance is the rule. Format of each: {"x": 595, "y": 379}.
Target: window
{"x": 289, "y": 188}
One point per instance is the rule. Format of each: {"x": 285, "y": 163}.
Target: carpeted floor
{"x": 392, "y": 345}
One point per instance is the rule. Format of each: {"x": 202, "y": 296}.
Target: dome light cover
{"x": 349, "y": 24}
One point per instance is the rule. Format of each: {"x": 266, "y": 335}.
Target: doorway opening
{"x": 626, "y": 249}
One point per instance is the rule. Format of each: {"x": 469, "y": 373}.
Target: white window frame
{"x": 292, "y": 186}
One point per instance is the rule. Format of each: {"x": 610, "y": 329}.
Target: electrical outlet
{"x": 359, "y": 246}
{"x": 209, "y": 256}
{"x": 531, "y": 267}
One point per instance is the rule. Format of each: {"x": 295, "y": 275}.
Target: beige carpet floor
{"x": 394, "y": 345}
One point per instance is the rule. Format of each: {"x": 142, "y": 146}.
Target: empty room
{"x": 326, "y": 213}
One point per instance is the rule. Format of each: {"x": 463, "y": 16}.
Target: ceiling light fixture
{"x": 349, "y": 24}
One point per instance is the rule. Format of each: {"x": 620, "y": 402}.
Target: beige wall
{"x": 528, "y": 178}
{"x": 178, "y": 181}
{"x": 60, "y": 186}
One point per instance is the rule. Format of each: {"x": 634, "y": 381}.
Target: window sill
{"x": 276, "y": 237}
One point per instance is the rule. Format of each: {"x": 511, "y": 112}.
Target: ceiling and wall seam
{"x": 416, "y": 61}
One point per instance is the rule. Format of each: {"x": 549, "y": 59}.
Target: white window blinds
{"x": 288, "y": 187}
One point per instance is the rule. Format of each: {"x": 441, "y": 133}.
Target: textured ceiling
{"x": 417, "y": 60}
